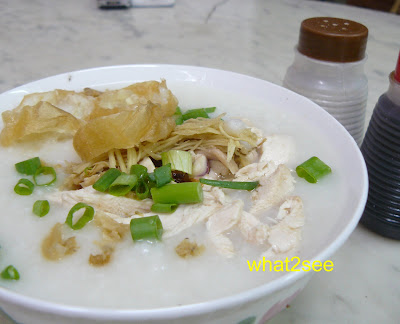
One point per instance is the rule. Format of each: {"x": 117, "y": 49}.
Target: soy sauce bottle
{"x": 381, "y": 151}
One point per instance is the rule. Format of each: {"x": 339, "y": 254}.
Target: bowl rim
{"x": 240, "y": 298}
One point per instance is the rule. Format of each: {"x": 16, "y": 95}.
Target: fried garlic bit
{"x": 187, "y": 249}
{"x": 54, "y": 247}
{"x": 99, "y": 260}
{"x": 112, "y": 233}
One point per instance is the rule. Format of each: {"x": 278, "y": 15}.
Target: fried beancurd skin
{"x": 122, "y": 130}
{"x": 121, "y": 119}
{"x": 30, "y": 123}
{"x": 113, "y": 101}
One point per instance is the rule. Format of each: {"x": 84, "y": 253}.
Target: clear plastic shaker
{"x": 328, "y": 68}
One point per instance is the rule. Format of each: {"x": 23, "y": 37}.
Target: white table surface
{"x": 41, "y": 38}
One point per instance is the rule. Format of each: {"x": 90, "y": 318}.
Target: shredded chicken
{"x": 252, "y": 229}
{"x": 220, "y": 222}
{"x": 272, "y": 189}
{"x": 286, "y": 235}
{"x": 254, "y": 171}
{"x": 122, "y": 206}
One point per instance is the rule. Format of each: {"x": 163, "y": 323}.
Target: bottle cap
{"x": 333, "y": 39}
{"x": 397, "y": 71}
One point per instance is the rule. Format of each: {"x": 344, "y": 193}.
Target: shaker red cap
{"x": 397, "y": 71}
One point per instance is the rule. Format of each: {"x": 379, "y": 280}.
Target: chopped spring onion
{"x": 180, "y": 160}
{"x": 164, "y": 208}
{"x": 152, "y": 178}
{"x": 140, "y": 171}
{"x": 179, "y": 193}
{"x": 238, "y": 185}
{"x": 142, "y": 190}
{"x": 199, "y": 112}
{"x": 313, "y": 169}
{"x": 210, "y": 110}
{"x": 146, "y": 228}
{"x": 24, "y": 187}
{"x": 41, "y": 174}
{"x": 83, "y": 220}
{"x": 195, "y": 113}
{"x": 41, "y": 208}
{"x": 28, "y": 167}
{"x": 106, "y": 179}
{"x": 10, "y": 273}
{"x": 192, "y": 113}
{"x": 178, "y": 116}
{"x": 163, "y": 175}
{"x": 123, "y": 184}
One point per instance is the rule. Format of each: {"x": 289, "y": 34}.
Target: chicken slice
{"x": 272, "y": 189}
{"x": 252, "y": 229}
{"x": 98, "y": 200}
{"x": 212, "y": 195}
{"x": 221, "y": 221}
{"x": 186, "y": 216}
{"x": 254, "y": 171}
{"x": 277, "y": 148}
{"x": 286, "y": 235}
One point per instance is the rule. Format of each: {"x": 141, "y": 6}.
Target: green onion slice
{"x": 83, "y": 220}
{"x": 163, "y": 175}
{"x": 164, "y": 208}
{"x": 178, "y": 116}
{"x": 180, "y": 160}
{"x": 28, "y": 167}
{"x": 108, "y": 177}
{"x": 210, "y": 110}
{"x": 238, "y": 185}
{"x": 142, "y": 190}
{"x": 179, "y": 193}
{"x": 123, "y": 184}
{"x": 140, "y": 171}
{"x": 195, "y": 113}
{"x": 41, "y": 174}
{"x": 10, "y": 273}
{"x": 146, "y": 228}
{"x": 41, "y": 208}
{"x": 24, "y": 187}
{"x": 313, "y": 169}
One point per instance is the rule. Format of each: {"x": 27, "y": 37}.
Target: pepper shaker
{"x": 328, "y": 68}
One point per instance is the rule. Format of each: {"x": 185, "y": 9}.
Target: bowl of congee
{"x": 168, "y": 194}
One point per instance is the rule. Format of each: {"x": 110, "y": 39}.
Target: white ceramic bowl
{"x": 256, "y": 305}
